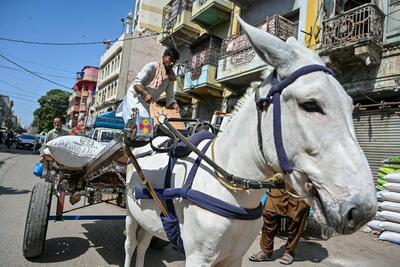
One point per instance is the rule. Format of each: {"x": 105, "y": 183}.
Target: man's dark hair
{"x": 58, "y": 117}
{"x": 172, "y": 52}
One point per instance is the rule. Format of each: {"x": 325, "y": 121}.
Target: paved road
{"x": 100, "y": 243}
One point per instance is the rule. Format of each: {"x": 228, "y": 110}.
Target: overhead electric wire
{"x": 17, "y": 97}
{"x": 18, "y": 94}
{"x": 40, "y": 64}
{"x": 16, "y": 87}
{"x": 33, "y": 73}
{"x": 76, "y": 43}
{"x": 43, "y": 73}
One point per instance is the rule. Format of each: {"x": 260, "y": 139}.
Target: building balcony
{"x": 239, "y": 64}
{"x": 202, "y": 82}
{"x": 353, "y": 36}
{"x": 74, "y": 95}
{"x": 82, "y": 107}
{"x": 85, "y": 93}
{"x": 208, "y": 13}
{"x": 74, "y": 108}
{"x": 177, "y": 24}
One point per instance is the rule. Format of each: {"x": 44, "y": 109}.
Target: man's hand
{"x": 176, "y": 107}
{"x": 148, "y": 98}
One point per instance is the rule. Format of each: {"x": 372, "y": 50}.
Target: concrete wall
{"x": 148, "y": 14}
{"x": 381, "y": 81}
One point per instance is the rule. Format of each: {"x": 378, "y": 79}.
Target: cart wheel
{"x": 158, "y": 243}
{"x": 37, "y": 220}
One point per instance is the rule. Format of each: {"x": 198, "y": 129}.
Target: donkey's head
{"x": 318, "y": 136}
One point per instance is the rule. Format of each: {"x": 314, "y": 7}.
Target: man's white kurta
{"x": 135, "y": 100}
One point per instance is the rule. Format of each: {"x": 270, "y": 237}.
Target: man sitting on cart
{"x": 152, "y": 80}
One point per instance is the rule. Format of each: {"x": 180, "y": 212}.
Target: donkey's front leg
{"x": 130, "y": 242}
{"x": 144, "y": 239}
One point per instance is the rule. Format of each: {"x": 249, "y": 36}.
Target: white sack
{"x": 390, "y": 226}
{"x": 74, "y": 151}
{"x": 393, "y": 177}
{"x": 388, "y": 216}
{"x": 390, "y": 236}
{"x": 375, "y": 225}
{"x": 389, "y": 196}
{"x": 389, "y": 206}
{"x": 392, "y": 187}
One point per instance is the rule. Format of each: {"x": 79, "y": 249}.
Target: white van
{"x": 105, "y": 135}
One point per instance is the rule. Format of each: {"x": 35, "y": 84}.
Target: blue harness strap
{"x": 273, "y": 97}
{"x": 212, "y": 204}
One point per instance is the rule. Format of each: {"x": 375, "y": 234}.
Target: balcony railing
{"x": 240, "y": 47}
{"x": 172, "y": 10}
{"x": 177, "y": 23}
{"x": 358, "y": 25}
{"x": 74, "y": 108}
{"x": 208, "y": 56}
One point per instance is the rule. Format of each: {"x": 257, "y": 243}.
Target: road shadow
{"x": 4, "y": 149}
{"x": 306, "y": 251}
{"x": 62, "y": 249}
{"x": 12, "y": 191}
{"x": 108, "y": 239}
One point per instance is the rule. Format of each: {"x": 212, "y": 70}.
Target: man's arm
{"x": 139, "y": 88}
{"x": 170, "y": 97}
{"x": 143, "y": 78}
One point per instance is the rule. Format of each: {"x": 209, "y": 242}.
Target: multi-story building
{"x": 6, "y": 105}
{"x": 196, "y": 29}
{"x": 239, "y": 64}
{"x": 83, "y": 96}
{"x": 360, "y": 40}
{"x": 122, "y": 61}
{"x": 216, "y": 56}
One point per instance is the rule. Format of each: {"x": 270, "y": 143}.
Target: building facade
{"x": 196, "y": 29}
{"x": 360, "y": 40}
{"x": 5, "y": 111}
{"x": 121, "y": 62}
{"x": 83, "y": 97}
{"x": 217, "y": 60}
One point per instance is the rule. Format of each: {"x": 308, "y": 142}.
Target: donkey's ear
{"x": 270, "y": 48}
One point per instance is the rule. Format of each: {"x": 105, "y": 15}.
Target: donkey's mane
{"x": 249, "y": 91}
{"x": 245, "y": 97}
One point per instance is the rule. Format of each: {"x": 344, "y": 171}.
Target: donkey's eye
{"x": 311, "y": 106}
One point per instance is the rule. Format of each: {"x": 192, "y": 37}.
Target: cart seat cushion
{"x": 181, "y": 150}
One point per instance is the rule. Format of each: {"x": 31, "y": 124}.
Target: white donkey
{"x": 318, "y": 135}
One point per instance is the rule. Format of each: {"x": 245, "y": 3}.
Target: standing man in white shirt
{"x": 152, "y": 80}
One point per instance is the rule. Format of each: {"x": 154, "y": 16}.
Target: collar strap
{"x": 274, "y": 97}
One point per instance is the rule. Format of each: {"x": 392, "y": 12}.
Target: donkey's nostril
{"x": 350, "y": 215}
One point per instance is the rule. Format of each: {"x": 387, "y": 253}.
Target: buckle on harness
{"x": 263, "y": 103}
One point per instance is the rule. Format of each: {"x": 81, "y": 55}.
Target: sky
{"x": 61, "y": 21}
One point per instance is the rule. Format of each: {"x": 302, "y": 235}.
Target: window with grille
{"x": 393, "y": 17}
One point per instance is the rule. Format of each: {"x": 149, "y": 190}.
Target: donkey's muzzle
{"x": 354, "y": 215}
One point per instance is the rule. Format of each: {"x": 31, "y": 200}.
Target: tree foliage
{"x": 54, "y": 103}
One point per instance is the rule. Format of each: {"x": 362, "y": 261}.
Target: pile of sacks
{"x": 391, "y": 165}
{"x": 387, "y": 219}
{"x": 73, "y": 152}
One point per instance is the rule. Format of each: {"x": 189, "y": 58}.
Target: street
{"x": 101, "y": 243}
